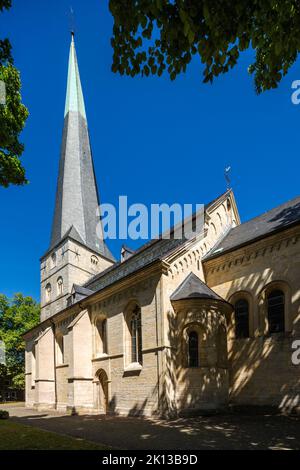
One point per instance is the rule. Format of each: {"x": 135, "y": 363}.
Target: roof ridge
{"x": 192, "y": 287}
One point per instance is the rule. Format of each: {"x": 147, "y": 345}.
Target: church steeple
{"x": 77, "y": 194}
{"x": 76, "y": 251}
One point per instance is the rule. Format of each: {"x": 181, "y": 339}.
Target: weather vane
{"x": 227, "y": 171}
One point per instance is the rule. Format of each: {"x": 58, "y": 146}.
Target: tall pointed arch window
{"x": 193, "y": 349}
{"x": 136, "y": 335}
{"x": 48, "y": 292}
{"x": 53, "y": 260}
{"x": 275, "y": 303}
{"x": 241, "y": 314}
{"x": 101, "y": 336}
{"x": 60, "y": 352}
{"x": 33, "y": 365}
{"x": 60, "y": 286}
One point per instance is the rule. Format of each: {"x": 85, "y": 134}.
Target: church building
{"x": 177, "y": 327}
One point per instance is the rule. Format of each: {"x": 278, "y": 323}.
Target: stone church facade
{"x": 176, "y": 327}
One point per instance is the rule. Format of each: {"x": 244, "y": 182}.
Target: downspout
{"x": 54, "y": 356}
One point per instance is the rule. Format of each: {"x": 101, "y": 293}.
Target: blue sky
{"x": 153, "y": 140}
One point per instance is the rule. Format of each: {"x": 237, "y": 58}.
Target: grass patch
{"x": 15, "y": 436}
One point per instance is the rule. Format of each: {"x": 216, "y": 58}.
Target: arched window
{"x": 53, "y": 260}
{"x": 241, "y": 312}
{"x": 193, "y": 349}
{"x": 101, "y": 336}
{"x": 60, "y": 286}
{"x": 276, "y": 311}
{"x": 136, "y": 336}
{"x": 104, "y": 336}
{"x": 33, "y": 365}
{"x": 60, "y": 349}
{"x": 48, "y": 292}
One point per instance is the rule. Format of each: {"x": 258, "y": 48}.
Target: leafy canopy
{"x": 16, "y": 317}
{"x": 153, "y": 36}
{"x": 13, "y": 116}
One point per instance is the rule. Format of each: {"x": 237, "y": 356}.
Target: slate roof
{"x": 78, "y": 293}
{"x": 280, "y": 218}
{"x": 77, "y": 197}
{"x": 150, "y": 252}
{"x": 81, "y": 290}
{"x": 193, "y": 288}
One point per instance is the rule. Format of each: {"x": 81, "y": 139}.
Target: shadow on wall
{"x": 260, "y": 368}
{"x": 188, "y": 391}
{"x": 261, "y": 371}
{"x": 138, "y": 410}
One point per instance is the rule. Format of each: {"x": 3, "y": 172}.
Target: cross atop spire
{"x": 77, "y": 198}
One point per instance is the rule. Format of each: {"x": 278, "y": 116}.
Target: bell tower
{"x": 77, "y": 249}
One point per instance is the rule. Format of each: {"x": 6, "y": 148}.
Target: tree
{"x": 13, "y": 115}
{"x": 151, "y": 36}
{"x": 16, "y": 317}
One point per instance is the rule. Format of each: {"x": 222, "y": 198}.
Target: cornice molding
{"x": 247, "y": 254}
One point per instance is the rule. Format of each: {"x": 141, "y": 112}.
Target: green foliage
{"x": 154, "y": 36}
{"x": 12, "y": 120}
{"x": 13, "y": 116}
{"x": 4, "y": 414}
{"x": 16, "y": 317}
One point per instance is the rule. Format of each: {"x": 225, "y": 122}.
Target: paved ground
{"x": 230, "y": 431}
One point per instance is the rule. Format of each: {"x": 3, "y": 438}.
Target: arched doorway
{"x": 101, "y": 391}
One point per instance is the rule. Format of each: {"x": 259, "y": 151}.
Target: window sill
{"x": 100, "y": 355}
{"x": 59, "y": 366}
{"x": 277, "y": 334}
{"x": 134, "y": 366}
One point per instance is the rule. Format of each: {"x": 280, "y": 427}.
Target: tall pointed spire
{"x": 77, "y": 194}
{"x": 74, "y": 98}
